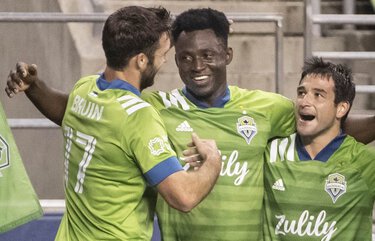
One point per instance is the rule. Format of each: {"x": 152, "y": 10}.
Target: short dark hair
{"x": 132, "y": 30}
{"x": 341, "y": 75}
{"x": 200, "y": 19}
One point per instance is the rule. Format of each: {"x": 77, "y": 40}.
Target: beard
{"x": 147, "y": 78}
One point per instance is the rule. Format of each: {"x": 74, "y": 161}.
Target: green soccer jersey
{"x": 241, "y": 129}
{"x": 116, "y": 148}
{"x": 329, "y": 198}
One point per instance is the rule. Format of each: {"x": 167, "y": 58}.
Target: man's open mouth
{"x": 307, "y": 117}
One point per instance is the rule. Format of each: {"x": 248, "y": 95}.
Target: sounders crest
{"x": 335, "y": 186}
{"x": 4, "y": 154}
{"x": 247, "y": 128}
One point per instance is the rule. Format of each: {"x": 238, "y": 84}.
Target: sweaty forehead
{"x": 318, "y": 81}
{"x": 317, "y": 77}
{"x": 197, "y": 39}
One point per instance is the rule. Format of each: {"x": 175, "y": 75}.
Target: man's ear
{"x": 229, "y": 55}
{"x": 342, "y": 109}
{"x": 142, "y": 61}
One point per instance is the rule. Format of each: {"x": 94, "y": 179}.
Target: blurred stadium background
{"x": 270, "y": 40}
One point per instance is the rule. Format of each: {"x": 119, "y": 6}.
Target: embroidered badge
{"x": 335, "y": 186}
{"x": 156, "y": 146}
{"x": 247, "y": 128}
{"x": 4, "y": 154}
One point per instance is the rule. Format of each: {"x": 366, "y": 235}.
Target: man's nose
{"x": 306, "y": 99}
{"x": 199, "y": 64}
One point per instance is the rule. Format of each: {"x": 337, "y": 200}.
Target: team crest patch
{"x": 335, "y": 186}
{"x": 4, "y": 154}
{"x": 247, "y": 128}
{"x": 156, "y": 146}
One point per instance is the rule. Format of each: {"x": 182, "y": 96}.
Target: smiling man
{"x": 320, "y": 183}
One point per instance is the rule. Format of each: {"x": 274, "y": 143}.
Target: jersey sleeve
{"x": 365, "y": 161}
{"x": 154, "y": 99}
{"x": 282, "y": 117}
{"x": 149, "y": 144}
{"x": 84, "y": 80}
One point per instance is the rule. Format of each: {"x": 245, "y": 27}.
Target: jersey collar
{"x": 218, "y": 103}
{"x": 324, "y": 154}
{"x": 103, "y": 84}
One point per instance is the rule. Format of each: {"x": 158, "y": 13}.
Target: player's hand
{"x": 192, "y": 157}
{"x": 200, "y": 151}
{"x": 21, "y": 78}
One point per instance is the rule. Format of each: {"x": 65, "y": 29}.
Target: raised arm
{"x": 184, "y": 190}
{"x": 50, "y": 102}
{"x": 361, "y": 127}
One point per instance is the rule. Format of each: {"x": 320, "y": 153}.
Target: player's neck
{"x": 212, "y": 99}
{"x": 127, "y": 75}
{"x": 314, "y": 144}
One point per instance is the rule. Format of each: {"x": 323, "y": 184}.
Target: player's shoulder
{"x": 258, "y": 96}
{"x": 135, "y": 106}
{"x": 86, "y": 80}
{"x": 357, "y": 149}
{"x": 282, "y": 148}
{"x": 162, "y": 99}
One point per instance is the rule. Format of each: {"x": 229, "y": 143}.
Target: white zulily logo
{"x": 184, "y": 126}
{"x": 232, "y": 167}
{"x": 306, "y": 225}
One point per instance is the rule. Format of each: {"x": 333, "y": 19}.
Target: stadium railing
{"x": 101, "y": 17}
{"x": 312, "y": 18}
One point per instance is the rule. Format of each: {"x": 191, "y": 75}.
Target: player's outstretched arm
{"x": 361, "y": 127}
{"x": 185, "y": 190}
{"x": 50, "y": 102}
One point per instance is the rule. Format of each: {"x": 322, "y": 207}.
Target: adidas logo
{"x": 184, "y": 126}
{"x": 278, "y": 185}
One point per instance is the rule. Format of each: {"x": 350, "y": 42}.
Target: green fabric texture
{"x": 18, "y": 201}
{"x": 313, "y": 200}
{"x": 241, "y": 129}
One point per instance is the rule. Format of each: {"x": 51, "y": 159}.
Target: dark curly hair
{"x": 132, "y": 30}
{"x": 200, "y": 19}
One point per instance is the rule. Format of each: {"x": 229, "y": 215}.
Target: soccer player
{"x": 242, "y": 121}
{"x": 320, "y": 182}
{"x": 116, "y": 145}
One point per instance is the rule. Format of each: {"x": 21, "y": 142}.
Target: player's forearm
{"x": 190, "y": 190}
{"x": 185, "y": 190}
{"x": 202, "y": 183}
{"x": 50, "y": 102}
{"x": 361, "y": 127}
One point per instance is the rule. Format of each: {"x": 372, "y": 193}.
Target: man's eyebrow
{"x": 320, "y": 90}
{"x": 301, "y": 87}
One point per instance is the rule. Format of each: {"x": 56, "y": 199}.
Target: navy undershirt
{"x": 324, "y": 154}
{"x": 103, "y": 84}
{"x": 219, "y": 102}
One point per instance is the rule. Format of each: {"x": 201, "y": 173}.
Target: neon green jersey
{"x": 329, "y": 199}
{"x": 116, "y": 147}
{"x": 241, "y": 128}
